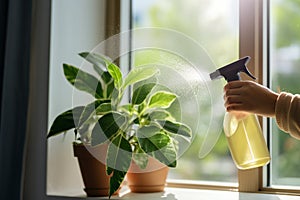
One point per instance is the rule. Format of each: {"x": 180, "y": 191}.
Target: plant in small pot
{"x": 82, "y": 118}
{"x": 135, "y": 132}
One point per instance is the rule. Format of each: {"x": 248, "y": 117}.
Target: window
{"x": 195, "y": 35}
{"x": 74, "y": 29}
{"x": 204, "y": 33}
{"x": 275, "y": 56}
{"x": 284, "y": 76}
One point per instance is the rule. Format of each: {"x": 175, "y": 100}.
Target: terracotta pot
{"x": 151, "y": 179}
{"x": 93, "y": 169}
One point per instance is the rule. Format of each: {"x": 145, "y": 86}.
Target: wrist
{"x": 274, "y": 97}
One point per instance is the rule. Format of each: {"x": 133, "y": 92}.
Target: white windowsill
{"x": 195, "y": 194}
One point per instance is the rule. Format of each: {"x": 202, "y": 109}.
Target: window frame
{"x": 258, "y": 180}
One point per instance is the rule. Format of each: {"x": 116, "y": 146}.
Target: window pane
{"x": 70, "y": 35}
{"x": 203, "y": 33}
{"x": 284, "y": 66}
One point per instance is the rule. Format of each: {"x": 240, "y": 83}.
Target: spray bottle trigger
{"x": 246, "y": 71}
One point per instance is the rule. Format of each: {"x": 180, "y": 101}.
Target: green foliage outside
{"x": 219, "y": 38}
{"x": 286, "y": 27}
{"x": 197, "y": 19}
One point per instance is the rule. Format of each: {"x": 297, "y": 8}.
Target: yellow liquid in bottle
{"x": 246, "y": 142}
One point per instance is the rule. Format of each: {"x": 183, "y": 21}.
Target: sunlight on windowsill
{"x": 190, "y": 194}
{"x": 171, "y": 193}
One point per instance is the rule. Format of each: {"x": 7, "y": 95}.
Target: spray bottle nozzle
{"x": 231, "y": 72}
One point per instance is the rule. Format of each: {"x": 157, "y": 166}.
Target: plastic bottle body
{"x": 245, "y": 140}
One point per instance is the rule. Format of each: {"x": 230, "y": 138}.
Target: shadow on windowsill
{"x": 150, "y": 196}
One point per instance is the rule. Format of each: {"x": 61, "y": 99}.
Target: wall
{"x": 76, "y": 25}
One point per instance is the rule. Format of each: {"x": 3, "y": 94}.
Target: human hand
{"x": 249, "y": 96}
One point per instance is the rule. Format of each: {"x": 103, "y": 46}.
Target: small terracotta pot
{"x": 93, "y": 169}
{"x": 151, "y": 179}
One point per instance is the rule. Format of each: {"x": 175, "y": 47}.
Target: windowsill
{"x": 190, "y": 194}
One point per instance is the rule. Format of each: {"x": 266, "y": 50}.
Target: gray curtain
{"x": 3, "y": 23}
{"x": 15, "y": 22}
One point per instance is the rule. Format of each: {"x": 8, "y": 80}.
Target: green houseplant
{"x": 135, "y": 130}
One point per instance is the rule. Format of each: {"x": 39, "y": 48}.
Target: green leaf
{"x": 89, "y": 117}
{"x": 103, "y": 109}
{"x": 116, "y": 181}
{"x": 65, "y": 121}
{"x": 116, "y": 73}
{"x": 159, "y": 146}
{"x": 160, "y": 115}
{"x": 140, "y": 157}
{"x": 90, "y": 110}
{"x": 118, "y": 161}
{"x": 141, "y": 107}
{"x": 106, "y": 77}
{"x": 119, "y": 154}
{"x": 98, "y": 62}
{"x": 148, "y": 131}
{"x": 161, "y": 99}
{"x": 83, "y": 81}
{"x": 87, "y": 120}
{"x": 175, "y": 127}
{"x": 108, "y": 85}
{"x": 97, "y": 57}
{"x": 107, "y": 127}
{"x": 115, "y": 99}
{"x": 140, "y": 93}
{"x": 110, "y": 88}
{"x": 139, "y": 74}
{"x": 127, "y": 109}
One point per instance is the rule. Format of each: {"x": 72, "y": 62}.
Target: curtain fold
{"x": 15, "y": 58}
{"x": 3, "y": 24}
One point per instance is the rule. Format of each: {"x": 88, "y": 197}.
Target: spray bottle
{"x": 243, "y": 132}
